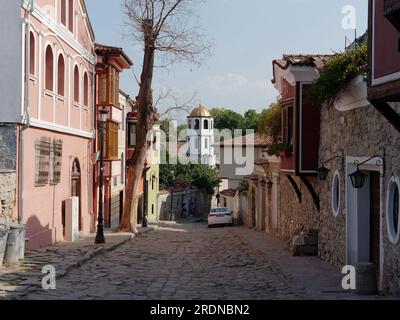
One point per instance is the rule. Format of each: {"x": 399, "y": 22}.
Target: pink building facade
{"x": 52, "y": 116}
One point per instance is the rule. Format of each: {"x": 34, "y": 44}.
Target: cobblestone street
{"x": 177, "y": 261}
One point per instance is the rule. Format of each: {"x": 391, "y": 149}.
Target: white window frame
{"x": 394, "y": 238}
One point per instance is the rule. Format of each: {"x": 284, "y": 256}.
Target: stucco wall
{"x": 43, "y": 205}
{"x": 10, "y": 61}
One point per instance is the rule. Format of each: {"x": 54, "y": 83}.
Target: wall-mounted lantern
{"x": 324, "y": 171}
{"x": 358, "y": 177}
{"x": 270, "y": 184}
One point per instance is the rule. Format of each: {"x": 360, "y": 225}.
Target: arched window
{"x": 196, "y": 124}
{"x": 86, "y": 89}
{"x": 33, "y": 54}
{"x": 61, "y": 76}
{"x": 63, "y": 13}
{"x": 76, "y": 84}
{"x": 205, "y": 124}
{"x": 190, "y": 124}
{"x": 71, "y": 16}
{"x": 153, "y": 182}
{"x": 49, "y": 69}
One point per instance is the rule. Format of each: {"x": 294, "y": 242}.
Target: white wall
{"x": 10, "y": 61}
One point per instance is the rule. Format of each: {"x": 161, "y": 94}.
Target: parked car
{"x": 220, "y": 217}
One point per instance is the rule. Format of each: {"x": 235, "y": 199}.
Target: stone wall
{"x": 7, "y": 195}
{"x": 197, "y": 204}
{"x": 8, "y": 147}
{"x": 358, "y": 133}
{"x": 295, "y": 216}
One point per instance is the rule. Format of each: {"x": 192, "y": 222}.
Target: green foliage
{"x": 251, "y": 120}
{"x": 202, "y": 176}
{"x": 279, "y": 147}
{"x": 337, "y": 73}
{"x": 270, "y": 121}
{"x": 228, "y": 119}
{"x": 244, "y": 188}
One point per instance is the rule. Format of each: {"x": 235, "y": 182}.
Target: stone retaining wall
{"x": 7, "y": 195}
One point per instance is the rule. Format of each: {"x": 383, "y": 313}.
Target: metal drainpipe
{"x": 26, "y": 117}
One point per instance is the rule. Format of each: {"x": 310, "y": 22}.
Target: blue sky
{"x": 247, "y": 35}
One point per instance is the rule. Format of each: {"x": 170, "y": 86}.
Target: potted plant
{"x": 280, "y": 150}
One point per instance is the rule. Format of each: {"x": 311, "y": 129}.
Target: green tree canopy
{"x": 202, "y": 176}
{"x": 271, "y": 121}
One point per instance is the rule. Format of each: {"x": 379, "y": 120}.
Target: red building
{"x": 384, "y": 57}
{"x": 111, "y": 61}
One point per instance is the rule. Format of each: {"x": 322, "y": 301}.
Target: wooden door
{"x": 76, "y": 187}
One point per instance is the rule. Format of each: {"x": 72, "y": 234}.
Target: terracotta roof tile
{"x": 229, "y": 192}
{"x": 310, "y": 60}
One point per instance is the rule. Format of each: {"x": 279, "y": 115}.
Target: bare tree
{"x": 166, "y": 27}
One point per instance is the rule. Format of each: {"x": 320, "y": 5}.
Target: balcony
{"x": 392, "y": 12}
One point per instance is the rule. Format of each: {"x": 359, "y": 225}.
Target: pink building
{"x": 49, "y": 124}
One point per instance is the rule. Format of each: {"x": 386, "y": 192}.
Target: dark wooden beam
{"x": 295, "y": 187}
{"x": 313, "y": 193}
{"x": 388, "y": 112}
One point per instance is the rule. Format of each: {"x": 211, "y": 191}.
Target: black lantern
{"x": 323, "y": 173}
{"x": 358, "y": 179}
{"x": 270, "y": 184}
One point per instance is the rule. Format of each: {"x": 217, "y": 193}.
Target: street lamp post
{"x": 100, "y": 239}
{"x": 172, "y": 195}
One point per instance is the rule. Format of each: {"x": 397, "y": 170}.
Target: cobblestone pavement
{"x": 26, "y": 276}
{"x": 176, "y": 261}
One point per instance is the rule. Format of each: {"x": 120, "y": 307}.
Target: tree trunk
{"x": 147, "y": 115}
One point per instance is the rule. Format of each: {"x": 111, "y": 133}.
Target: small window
{"x": 206, "y": 143}
{"x": 76, "y": 84}
{"x": 190, "y": 124}
{"x": 61, "y": 75}
{"x": 152, "y": 209}
{"x": 63, "y": 14}
{"x": 196, "y": 124}
{"x": 33, "y": 54}
{"x": 205, "y": 124}
{"x": 49, "y": 69}
{"x": 71, "y": 15}
{"x": 393, "y": 210}
{"x": 336, "y": 194}
{"x": 131, "y": 135}
{"x": 153, "y": 182}
{"x": 86, "y": 89}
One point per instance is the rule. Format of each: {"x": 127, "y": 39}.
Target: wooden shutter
{"x": 111, "y": 141}
{"x": 42, "y": 161}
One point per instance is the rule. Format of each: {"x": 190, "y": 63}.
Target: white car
{"x": 220, "y": 217}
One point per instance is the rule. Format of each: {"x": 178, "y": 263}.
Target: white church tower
{"x": 201, "y": 136}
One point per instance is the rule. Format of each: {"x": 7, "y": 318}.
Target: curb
{"x": 86, "y": 258}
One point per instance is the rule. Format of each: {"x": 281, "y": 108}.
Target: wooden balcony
{"x": 392, "y": 12}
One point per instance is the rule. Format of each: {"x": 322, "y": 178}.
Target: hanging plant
{"x": 337, "y": 73}
{"x": 280, "y": 150}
